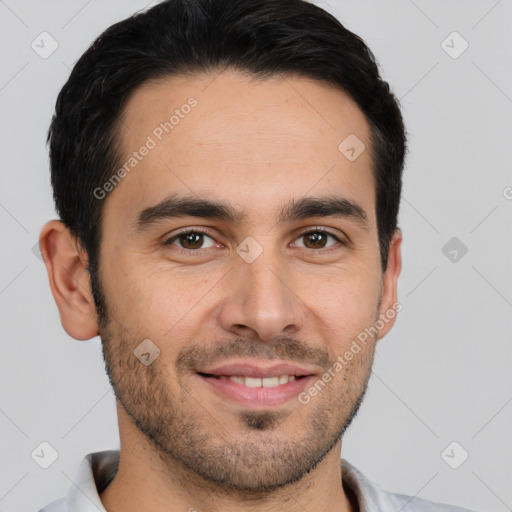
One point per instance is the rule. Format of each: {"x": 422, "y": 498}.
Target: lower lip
{"x": 258, "y": 397}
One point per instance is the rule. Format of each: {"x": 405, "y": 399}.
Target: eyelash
{"x": 187, "y": 231}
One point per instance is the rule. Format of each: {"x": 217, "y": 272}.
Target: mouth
{"x": 257, "y": 387}
{"x": 257, "y": 382}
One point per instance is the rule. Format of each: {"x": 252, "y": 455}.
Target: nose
{"x": 261, "y": 303}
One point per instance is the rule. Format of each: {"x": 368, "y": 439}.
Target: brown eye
{"x": 191, "y": 240}
{"x": 317, "y": 239}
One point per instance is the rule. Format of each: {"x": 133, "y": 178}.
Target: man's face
{"x": 256, "y": 292}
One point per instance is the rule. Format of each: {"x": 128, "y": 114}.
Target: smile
{"x": 256, "y": 392}
{"x": 256, "y": 382}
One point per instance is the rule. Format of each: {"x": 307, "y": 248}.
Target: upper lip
{"x": 253, "y": 370}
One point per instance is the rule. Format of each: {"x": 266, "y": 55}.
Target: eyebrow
{"x": 297, "y": 209}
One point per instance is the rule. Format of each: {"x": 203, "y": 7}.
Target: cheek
{"x": 344, "y": 305}
{"x": 156, "y": 302}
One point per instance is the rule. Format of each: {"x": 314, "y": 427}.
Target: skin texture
{"x": 256, "y": 145}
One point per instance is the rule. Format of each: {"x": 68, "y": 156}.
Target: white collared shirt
{"x": 99, "y": 468}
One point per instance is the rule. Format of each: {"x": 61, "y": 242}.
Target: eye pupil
{"x": 316, "y": 237}
{"x": 191, "y": 240}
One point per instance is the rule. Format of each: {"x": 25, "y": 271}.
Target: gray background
{"x": 441, "y": 375}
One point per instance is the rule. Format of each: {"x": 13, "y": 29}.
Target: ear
{"x": 389, "y": 299}
{"x": 66, "y": 265}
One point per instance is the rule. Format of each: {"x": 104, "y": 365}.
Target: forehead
{"x": 243, "y": 140}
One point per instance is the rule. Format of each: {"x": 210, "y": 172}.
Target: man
{"x": 228, "y": 175}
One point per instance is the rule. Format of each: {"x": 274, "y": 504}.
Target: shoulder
{"x": 415, "y": 504}
{"x": 371, "y": 497}
{"x": 55, "y": 506}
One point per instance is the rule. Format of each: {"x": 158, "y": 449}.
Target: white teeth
{"x": 270, "y": 382}
{"x": 256, "y": 382}
{"x": 253, "y": 382}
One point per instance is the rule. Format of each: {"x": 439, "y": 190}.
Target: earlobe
{"x": 66, "y": 265}
{"x": 389, "y": 305}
